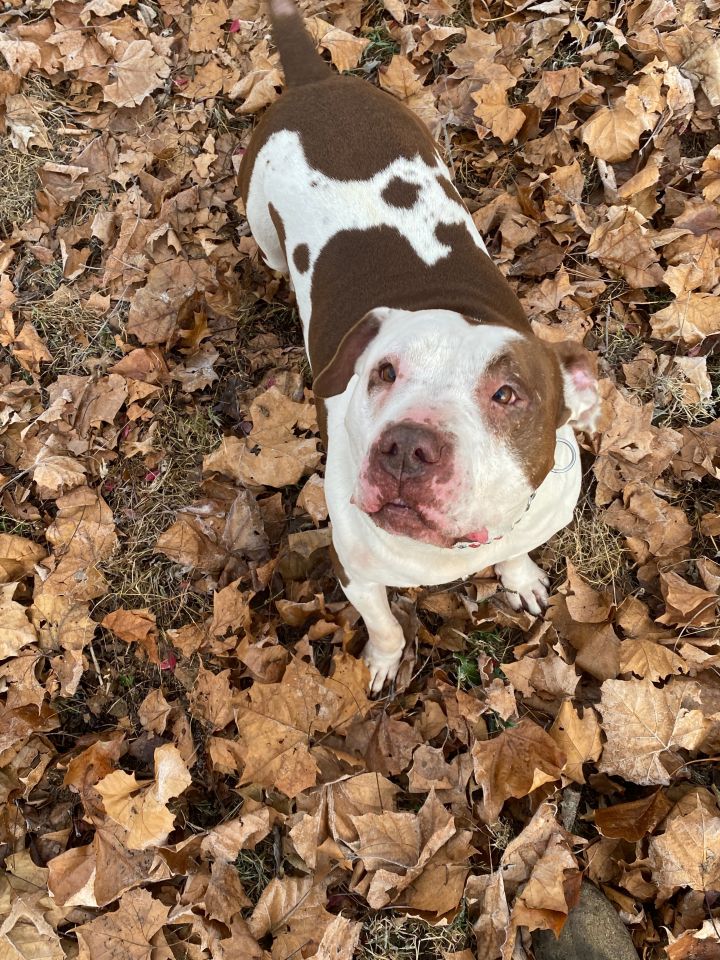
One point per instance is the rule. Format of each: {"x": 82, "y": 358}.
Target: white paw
{"x": 526, "y": 587}
{"x": 383, "y": 665}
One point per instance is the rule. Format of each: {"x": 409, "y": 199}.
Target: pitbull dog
{"x": 448, "y": 425}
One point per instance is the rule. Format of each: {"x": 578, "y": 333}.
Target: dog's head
{"x": 452, "y": 424}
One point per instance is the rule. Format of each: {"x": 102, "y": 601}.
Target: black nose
{"x": 409, "y": 450}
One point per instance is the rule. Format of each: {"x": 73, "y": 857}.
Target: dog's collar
{"x": 465, "y": 544}
{"x": 473, "y": 545}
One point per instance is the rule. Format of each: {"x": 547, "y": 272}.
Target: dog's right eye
{"x": 386, "y": 372}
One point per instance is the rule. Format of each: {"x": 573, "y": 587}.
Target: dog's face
{"x": 452, "y": 424}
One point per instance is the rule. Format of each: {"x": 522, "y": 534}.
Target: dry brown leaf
{"x": 18, "y": 556}
{"x": 689, "y": 319}
{"x": 513, "y": 764}
{"x": 274, "y": 723}
{"x": 153, "y": 712}
{"x": 645, "y": 727}
{"x": 135, "y": 626}
{"x": 685, "y": 603}
{"x": 25, "y": 934}
{"x": 128, "y": 933}
{"x": 16, "y": 631}
{"x": 340, "y": 940}
{"x": 273, "y": 455}
{"x": 623, "y": 244}
{"x": 649, "y": 660}
{"x": 632, "y": 821}
{"x": 141, "y": 807}
{"x": 24, "y": 119}
{"x": 137, "y": 70}
{"x": 577, "y": 737}
{"x": 613, "y": 133}
{"x": 688, "y": 853}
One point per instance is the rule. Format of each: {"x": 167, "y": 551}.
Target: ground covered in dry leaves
{"x": 190, "y": 766}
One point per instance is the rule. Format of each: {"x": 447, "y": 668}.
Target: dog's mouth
{"x": 405, "y": 519}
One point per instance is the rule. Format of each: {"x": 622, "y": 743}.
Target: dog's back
{"x": 349, "y": 129}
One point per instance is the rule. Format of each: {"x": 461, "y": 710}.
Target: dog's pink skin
{"x": 412, "y": 506}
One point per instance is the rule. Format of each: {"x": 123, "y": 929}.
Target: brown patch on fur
{"x": 358, "y": 270}
{"x": 300, "y": 61}
{"x": 301, "y": 257}
{"x": 334, "y": 376}
{"x": 321, "y": 414}
{"x": 332, "y": 119}
{"x": 449, "y": 190}
{"x": 400, "y": 193}
{"x": 527, "y": 427}
{"x": 279, "y": 226}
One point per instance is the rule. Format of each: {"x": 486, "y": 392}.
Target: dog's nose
{"x": 409, "y": 450}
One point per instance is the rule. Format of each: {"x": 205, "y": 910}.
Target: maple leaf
{"x": 577, "y": 737}
{"x": 645, "y": 727}
{"x": 153, "y": 316}
{"x": 21, "y": 55}
{"x": 137, "y": 70}
{"x": 272, "y": 455}
{"x": 275, "y": 722}
{"x": 688, "y": 853}
{"x": 513, "y": 764}
{"x": 406, "y": 853}
{"x": 634, "y": 820}
{"x": 27, "y": 127}
{"x": 613, "y": 133}
{"x": 18, "y": 556}
{"x": 135, "y": 626}
{"x": 689, "y": 319}
{"x": 623, "y": 243}
{"x": 25, "y": 934}
{"x": 141, "y": 807}
{"x": 16, "y": 631}
{"x": 542, "y": 854}
{"x": 128, "y": 933}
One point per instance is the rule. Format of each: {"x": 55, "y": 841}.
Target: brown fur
{"x": 362, "y": 269}
{"x": 527, "y": 428}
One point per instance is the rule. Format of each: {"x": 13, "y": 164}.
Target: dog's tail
{"x": 300, "y": 60}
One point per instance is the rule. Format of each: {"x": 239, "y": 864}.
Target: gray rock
{"x": 593, "y": 931}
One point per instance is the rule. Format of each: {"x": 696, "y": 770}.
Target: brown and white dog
{"x": 449, "y": 425}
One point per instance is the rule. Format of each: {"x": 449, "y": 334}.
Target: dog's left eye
{"x": 504, "y": 396}
{"x": 386, "y": 372}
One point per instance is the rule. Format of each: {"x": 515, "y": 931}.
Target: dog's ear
{"x": 578, "y": 368}
{"x": 335, "y": 375}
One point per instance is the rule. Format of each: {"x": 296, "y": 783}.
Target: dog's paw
{"x": 525, "y": 585}
{"x": 382, "y": 664}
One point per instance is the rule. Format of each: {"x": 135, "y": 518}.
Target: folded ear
{"x": 335, "y": 375}
{"x": 579, "y": 373}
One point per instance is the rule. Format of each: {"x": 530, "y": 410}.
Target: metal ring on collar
{"x": 573, "y": 456}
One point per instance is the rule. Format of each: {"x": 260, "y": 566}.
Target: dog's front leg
{"x": 525, "y": 584}
{"x": 386, "y": 640}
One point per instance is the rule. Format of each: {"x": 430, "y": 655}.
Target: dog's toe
{"x": 383, "y": 666}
